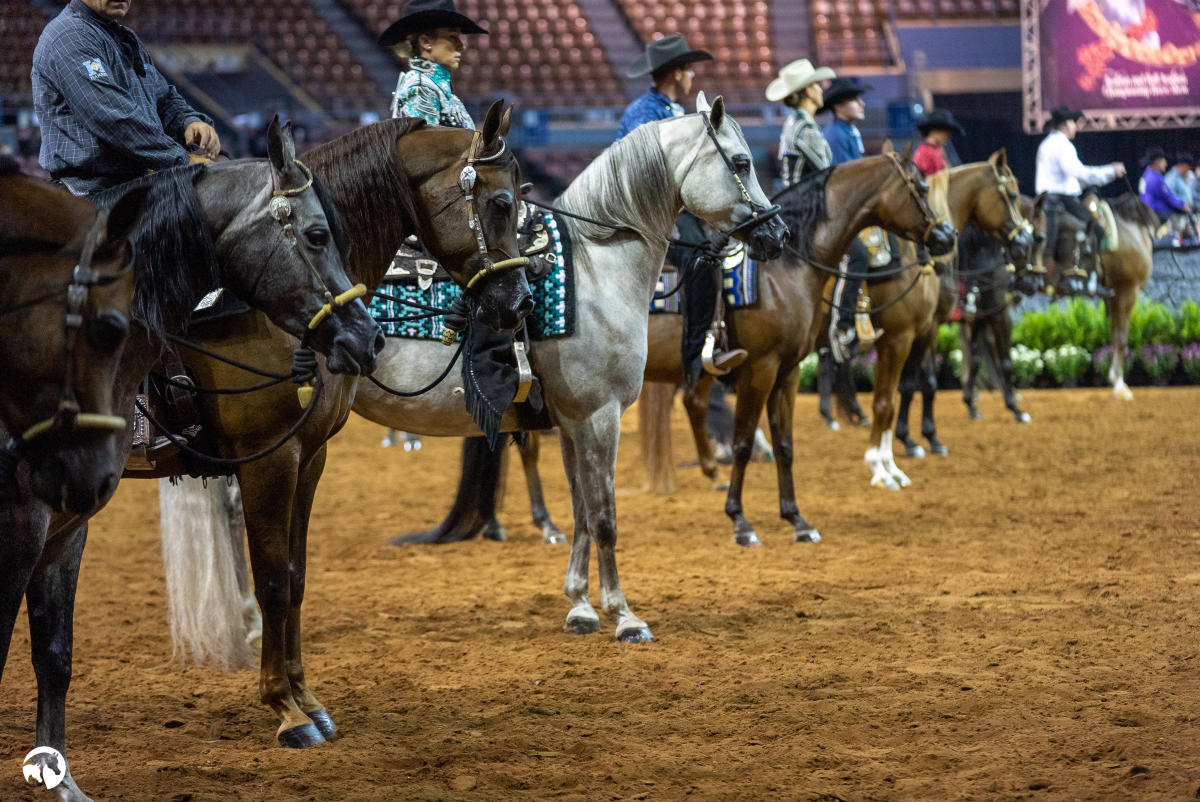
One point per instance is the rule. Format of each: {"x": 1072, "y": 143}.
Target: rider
{"x": 667, "y": 61}
{"x": 1157, "y": 195}
{"x": 844, "y": 99}
{"x": 1178, "y": 181}
{"x": 429, "y": 35}
{"x": 936, "y": 127}
{"x": 802, "y": 148}
{"x": 107, "y": 114}
{"x": 1062, "y": 176}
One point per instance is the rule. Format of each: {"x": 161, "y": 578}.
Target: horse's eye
{"x": 317, "y": 237}
{"x": 741, "y": 163}
{"x": 502, "y": 201}
{"x": 108, "y": 330}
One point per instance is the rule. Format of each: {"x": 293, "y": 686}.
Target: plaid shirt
{"x": 107, "y": 114}
{"x": 653, "y": 105}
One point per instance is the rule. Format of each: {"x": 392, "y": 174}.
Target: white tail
{"x": 210, "y": 608}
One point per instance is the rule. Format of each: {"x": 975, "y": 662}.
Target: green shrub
{"x": 947, "y": 339}
{"x": 1027, "y": 365}
{"x": 1151, "y": 324}
{"x": 1067, "y": 364}
{"x": 1188, "y": 329}
{"x": 808, "y": 373}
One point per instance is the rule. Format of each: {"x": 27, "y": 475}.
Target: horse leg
{"x": 530, "y": 449}
{"x": 302, "y": 696}
{"x": 475, "y": 501}
{"x": 780, "y": 406}
{"x": 595, "y": 441}
{"x": 847, "y": 399}
{"x": 893, "y": 350}
{"x": 232, "y": 498}
{"x": 909, "y": 382}
{"x": 51, "y": 598}
{"x": 927, "y": 374}
{"x": 967, "y": 335}
{"x": 825, "y": 370}
{"x": 582, "y": 619}
{"x": 1001, "y": 343}
{"x": 750, "y": 399}
{"x": 269, "y": 490}
{"x": 654, "y": 424}
{"x": 1120, "y": 308}
{"x": 695, "y": 402}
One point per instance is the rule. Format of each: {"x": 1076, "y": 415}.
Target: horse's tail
{"x": 206, "y": 607}
{"x": 654, "y": 422}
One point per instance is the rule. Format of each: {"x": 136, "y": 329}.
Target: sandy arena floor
{"x": 1021, "y": 623}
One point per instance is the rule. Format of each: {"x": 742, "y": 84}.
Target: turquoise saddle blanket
{"x": 739, "y": 277}
{"x": 553, "y": 315}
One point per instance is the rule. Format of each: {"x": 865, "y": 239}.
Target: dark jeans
{"x": 845, "y": 288}
{"x": 701, "y": 280}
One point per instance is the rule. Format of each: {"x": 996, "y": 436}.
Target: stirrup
{"x": 524, "y": 371}
{"x": 707, "y": 353}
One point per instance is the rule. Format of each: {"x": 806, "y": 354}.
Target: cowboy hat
{"x": 421, "y": 16}
{"x": 1183, "y": 157}
{"x": 669, "y": 51}
{"x": 1059, "y": 115}
{"x": 795, "y": 77}
{"x": 939, "y": 118}
{"x": 1152, "y": 154}
{"x": 843, "y": 89}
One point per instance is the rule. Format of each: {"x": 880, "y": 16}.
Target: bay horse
{"x": 823, "y": 213}
{"x": 257, "y": 227}
{"x": 987, "y": 331}
{"x": 904, "y": 305}
{"x": 388, "y": 181}
{"x": 66, "y": 286}
{"x": 636, "y": 188}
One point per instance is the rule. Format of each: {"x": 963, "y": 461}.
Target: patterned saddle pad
{"x": 422, "y": 281}
{"x": 739, "y": 278}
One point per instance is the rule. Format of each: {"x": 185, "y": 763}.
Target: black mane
{"x": 802, "y": 208}
{"x": 175, "y": 260}
{"x": 9, "y": 165}
{"x": 363, "y": 182}
{"x": 1131, "y": 208}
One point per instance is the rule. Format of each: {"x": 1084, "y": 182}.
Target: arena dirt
{"x": 1020, "y": 624}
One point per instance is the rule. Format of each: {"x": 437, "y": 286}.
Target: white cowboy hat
{"x": 795, "y": 77}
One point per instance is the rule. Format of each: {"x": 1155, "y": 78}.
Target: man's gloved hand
{"x": 203, "y": 136}
{"x": 198, "y": 158}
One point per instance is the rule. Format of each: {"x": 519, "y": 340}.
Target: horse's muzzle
{"x": 941, "y": 239}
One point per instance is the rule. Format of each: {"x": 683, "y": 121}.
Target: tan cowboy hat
{"x": 796, "y": 76}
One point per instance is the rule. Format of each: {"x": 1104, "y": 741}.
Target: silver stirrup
{"x": 524, "y": 372}
{"x": 706, "y": 355}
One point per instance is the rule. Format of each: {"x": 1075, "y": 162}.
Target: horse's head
{"x": 283, "y": 251}
{"x": 717, "y": 182}
{"x": 997, "y": 209}
{"x": 902, "y": 204}
{"x": 467, "y": 186}
{"x": 61, "y": 361}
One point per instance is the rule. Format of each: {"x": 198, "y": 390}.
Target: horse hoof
{"x": 916, "y": 452}
{"x": 721, "y": 487}
{"x": 581, "y": 626}
{"x": 324, "y": 724}
{"x": 747, "y": 539}
{"x": 886, "y": 482}
{"x": 495, "y": 533}
{"x": 974, "y": 414}
{"x": 832, "y": 425}
{"x": 939, "y": 450}
{"x": 806, "y": 536}
{"x": 635, "y": 635}
{"x": 1023, "y": 417}
{"x": 553, "y": 537}
{"x": 301, "y": 737}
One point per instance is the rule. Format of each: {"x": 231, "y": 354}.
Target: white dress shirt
{"x": 1060, "y": 171}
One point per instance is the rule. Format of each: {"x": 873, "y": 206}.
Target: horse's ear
{"x": 906, "y": 155}
{"x": 1038, "y": 203}
{"x": 702, "y": 104}
{"x": 506, "y": 121}
{"x": 491, "y": 125}
{"x": 123, "y": 216}
{"x": 280, "y": 146}
{"x": 999, "y": 159}
{"x": 717, "y": 115}
{"x": 887, "y": 147}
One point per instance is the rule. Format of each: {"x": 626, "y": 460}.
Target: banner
{"x": 1124, "y": 63}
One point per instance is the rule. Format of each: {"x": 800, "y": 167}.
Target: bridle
{"x": 931, "y": 219}
{"x": 280, "y": 209}
{"x": 67, "y": 415}
{"x": 1017, "y": 220}
{"x": 758, "y": 214}
{"x": 466, "y": 186}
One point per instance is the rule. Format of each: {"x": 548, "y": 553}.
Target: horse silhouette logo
{"x": 48, "y": 772}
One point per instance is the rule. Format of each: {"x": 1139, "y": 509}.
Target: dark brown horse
{"x": 66, "y": 287}
{"x": 202, "y": 227}
{"x": 388, "y": 181}
{"x": 823, "y": 214}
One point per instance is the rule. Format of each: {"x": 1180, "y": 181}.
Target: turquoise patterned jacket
{"x": 424, "y": 91}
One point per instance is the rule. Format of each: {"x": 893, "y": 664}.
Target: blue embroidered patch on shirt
{"x": 95, "y": 69}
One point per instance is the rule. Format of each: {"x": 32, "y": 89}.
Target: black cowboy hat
{"x": 1183, "y": 157}
{"x": 427, "y": 15}
{"x": 939, "y": 118}
{"x": 843, "y": 89}
{"x": 669, "y": 51}
{"x": 1059, "y": 115}
{"x": 1153, "y": 153}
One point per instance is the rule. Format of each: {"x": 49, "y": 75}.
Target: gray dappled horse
{"x": 203, "y": 227}
{"x": 639, "y": 184}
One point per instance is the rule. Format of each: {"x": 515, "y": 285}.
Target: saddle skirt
{"x": 1103, "y": 214}
{"x": 739, "y": 282}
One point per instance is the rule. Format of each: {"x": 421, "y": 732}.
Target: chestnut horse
{"x": 202, "y": 227}
{"x": 390, "y": 180}
{"x": 66, "y": 285}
